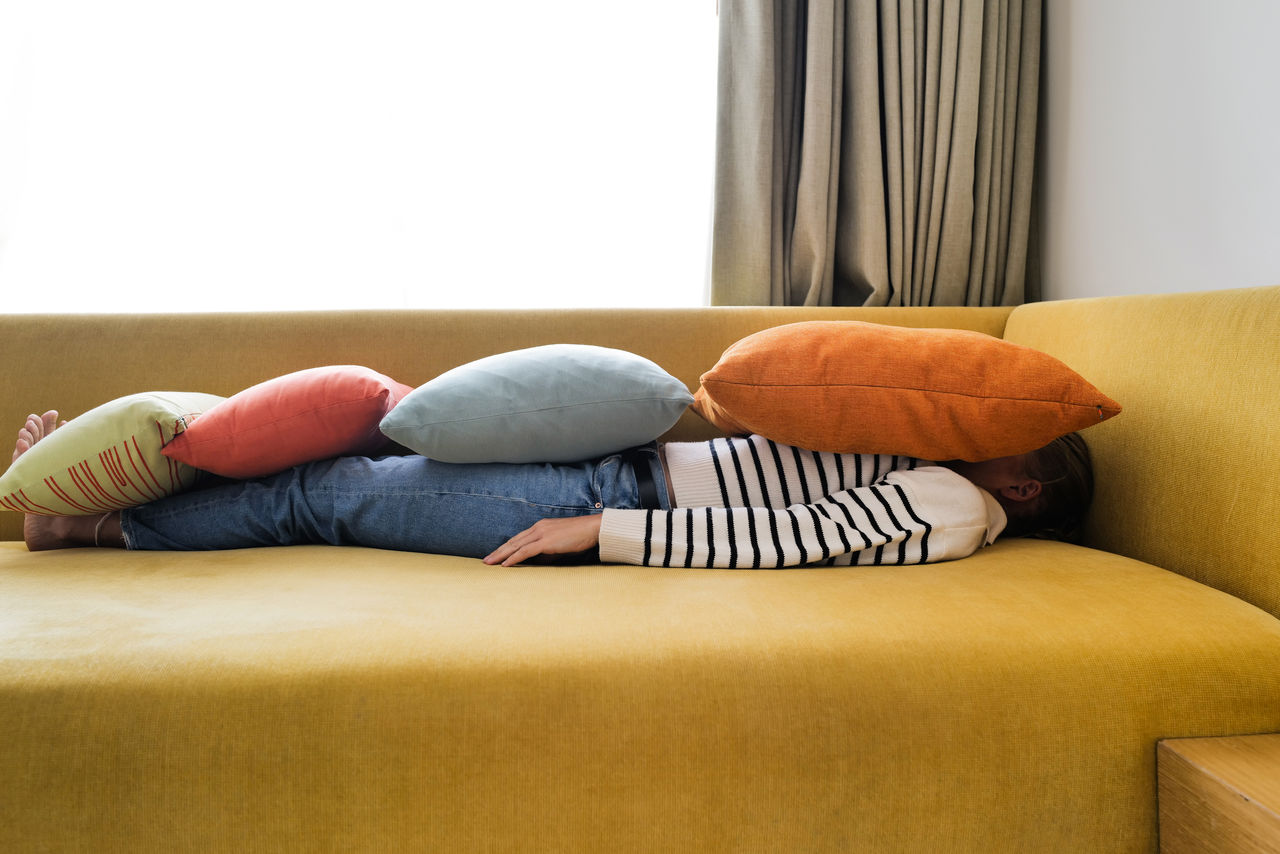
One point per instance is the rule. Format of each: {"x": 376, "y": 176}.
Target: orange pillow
{"x": 935, "y": 394}
{"x": 308, "y": 415}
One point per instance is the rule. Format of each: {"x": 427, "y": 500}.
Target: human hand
{"x": 549, "y": 537}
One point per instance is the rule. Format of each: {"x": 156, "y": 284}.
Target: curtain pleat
{"x": 877, "y": 153}
{"x": 745, "y": 170}
{"x": 862, "y": 220}
{"x": 811, "y": 272}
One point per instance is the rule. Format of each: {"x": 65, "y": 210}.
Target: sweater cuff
{"x": 622, "y": 536}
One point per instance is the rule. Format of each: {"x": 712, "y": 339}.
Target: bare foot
{"x": 38, "y": 531}
{"x": 59, "y": 532}
{"x": 41, "y": 533}
{"x": 36, "y": 428}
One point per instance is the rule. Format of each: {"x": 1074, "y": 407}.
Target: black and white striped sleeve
{"x": 926, "y": 515}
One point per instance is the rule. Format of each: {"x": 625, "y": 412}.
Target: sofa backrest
{"x": 75, "y": 362}
{"x": 1186, "y": 474}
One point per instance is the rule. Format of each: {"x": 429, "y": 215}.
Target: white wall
{"x": 1160, "y": 146}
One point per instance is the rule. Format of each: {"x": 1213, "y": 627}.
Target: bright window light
{"x": 279, "y": 154}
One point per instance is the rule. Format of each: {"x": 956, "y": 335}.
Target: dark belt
{"x": 648, "y": 489}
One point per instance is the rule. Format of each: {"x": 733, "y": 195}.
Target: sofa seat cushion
{"x": 351, "y": 699}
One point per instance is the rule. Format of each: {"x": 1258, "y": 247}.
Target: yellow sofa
{"x": 330, "y": 699}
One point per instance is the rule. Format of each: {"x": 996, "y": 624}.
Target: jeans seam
{"x": 484, "y": 496}
{"x": 125, "y": 534}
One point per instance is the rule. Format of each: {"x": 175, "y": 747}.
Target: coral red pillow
{"x": 936, "y": 394}
{"x": 308, "y": 415}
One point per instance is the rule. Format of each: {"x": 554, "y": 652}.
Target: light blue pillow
{"x": 557, "y": 403}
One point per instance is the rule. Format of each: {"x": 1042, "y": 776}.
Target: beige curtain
{"x": 875, "y": 152}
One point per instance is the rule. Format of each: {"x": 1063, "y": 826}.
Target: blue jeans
{"x": 404, "y": 503}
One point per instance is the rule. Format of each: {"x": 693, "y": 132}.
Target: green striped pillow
{"x": 106, "y": 459}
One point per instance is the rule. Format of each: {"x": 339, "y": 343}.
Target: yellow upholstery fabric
{"x": 327, "y": 699}
{"x": 1187, "y": 473}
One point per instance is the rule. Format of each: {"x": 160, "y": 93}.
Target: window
{"x": 280, "y": 154}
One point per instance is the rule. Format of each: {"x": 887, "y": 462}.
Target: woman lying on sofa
{"x": 736, "y": 503}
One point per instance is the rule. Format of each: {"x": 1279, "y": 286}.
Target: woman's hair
{"x": 1065, "y": 471}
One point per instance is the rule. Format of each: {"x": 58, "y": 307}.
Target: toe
{"x": 37, "y": 427}
{"x": 26, "y": 438}
{"x": 49, "y": 421}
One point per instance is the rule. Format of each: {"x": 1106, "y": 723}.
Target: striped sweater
{"x": 749, "y": 503}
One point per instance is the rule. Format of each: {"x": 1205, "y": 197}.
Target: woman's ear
{"x": 1023, "y": 490}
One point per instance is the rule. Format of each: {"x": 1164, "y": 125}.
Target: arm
{"x": 922, "y": 516}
